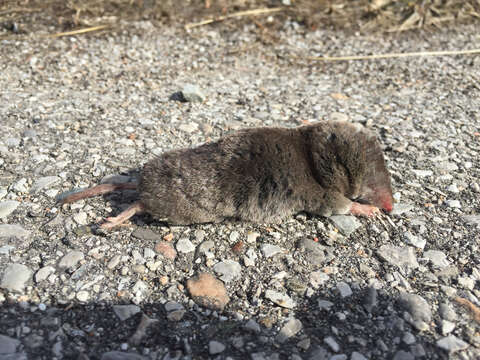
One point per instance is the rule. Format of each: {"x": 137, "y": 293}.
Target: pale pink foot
{"x": 364, "y": 210}
{"x": 135, "y": 208}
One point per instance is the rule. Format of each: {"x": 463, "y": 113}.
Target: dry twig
{"x": 234, "y": 15}
{"x": 80, "y": 31}
{"x": 391, "y": 55}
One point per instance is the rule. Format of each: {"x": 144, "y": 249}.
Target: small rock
{"x": 270, "y": 250}
{"x": 252, "y": 237}
{"x": 447, "y": 327}
{"x": 176, "y": 315}
{"x": 452, "y": 344}
{"x": 347, "y": 224}
{"x": 401, "y": 208}
{"x": 189, "y": 128}
{"x": 416, "y": 241}
{"x": 8, "y": 346}
{"x": 472, "y": 219}
{"x": 43, "y": 183}
{"x": 370, "y": 300}
{"x": 125, "y": 312}
{"x": 228, "y": 270}
{"x": 207, "y": 291}
{"x": 192, "y": 93}
{"x": 215, "y": 347}
{"x": 81, "y": 218}
{"x": 291, "y": 328}
{"x": 399, "y": 256}
{"x": 437, "y": 258}
{"x": 166, "y": 249}
{"x": 325, "y": 304}
{"x": 330, "y": 341}
{"x": 15, "y": 277}
{"x": 304, "y": 344}
{"x": 403, "y": 355}
{"x": 13, "y": 231}
{"x": 417, "y": 306}
{"x": 453, "y": 204}
{"x": 114, "y": 261}
{"x": 44, "y": 273}
{"x": 20, "y": 186}
{"x": 185, "y": 246}
{"x": 252, "y": 326}
{"x": 446, "y": 312}
{"x": 344, "y": 289}
{"x": 120, "y": 355}
{"x": 318, "y": 278}
{"x": 408, "y": 338}
{"x": 83, "y": 296}
{"x": 145, "y": 234}
{"x": 422, "y": 173}
{"x": 280, "y": 299}
{"x": 357, "y": 356}
{"x": 313, "y": 251}
{"x": 7, "y": 207}
{"x": 71, "y": 259}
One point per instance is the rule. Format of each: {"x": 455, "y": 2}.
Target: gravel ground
{"x": 79, "y": 110}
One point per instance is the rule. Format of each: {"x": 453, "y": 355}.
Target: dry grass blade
{"x": 392, "y": 55}
{"x": 234, "y": 15}
{"x": 80, "y": 31}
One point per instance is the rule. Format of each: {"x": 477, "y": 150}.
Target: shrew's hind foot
{"x": 111, "y": 222}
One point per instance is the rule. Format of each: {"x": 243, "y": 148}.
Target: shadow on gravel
{"x": 358, "y": 323}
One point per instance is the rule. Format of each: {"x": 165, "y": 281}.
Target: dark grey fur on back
{"x": 265, "y": 175}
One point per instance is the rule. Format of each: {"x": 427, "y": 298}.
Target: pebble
{"x": 5, "y": 250}
{"x": 357, "y": 356}
{"x": 325, "y": 304}
{"x": 120, "y": 355}
{"x": 453, "y": 204}
{"x": 370, "y": 300}
{"x": 330, "y": 341}
{"x": 408, "y": 338}
{"x": 446, "y": 327}
{"x": 437, "y": 258}
{"x": 403, "y": 355}
{"x": 401, "y": 208}
{"x": 8, "y": 346}
{"x": 252, "y": 237}
{"x": 291, "y": 328}
{"x": 43, "y": 183}
{"x": 81, "y": 218}
{"x": 71, "y": 259}
{"x": 43, "y": 273}
{"x": 270, "y": 250}
{"x": 452, "y": 344}
{"x": 15, "y": 277}
{"x": 347, "y": 224}
{"x": 446, "y": 312}
{"x": 472, "y": 219}
{"x": 189, "y": 128}
{"x": 343, "y": 289}
{"x": 313, "y": 251}
{"x": 114, "y": 261}
{"x": 215, "y": 347}
{"x": 185, "y": 246}
{"x": 280, "y": 299}
{"x": 13, "y": 231}
{"x": 21, "y": 186}
{"x": 416, "y": 241}
{"x": 7, "y": 207}
{"x": 125, "y": 312}
{"x": 318, "y": 278}
{"x": 166, "y": 249}
{"x": 207, "y": 291}
{"x": 398, "y": 256}
{"x": 253, "y": 326}
{"x": 145, "y": 234}
{"x": 417, "y": 306}
{"x": 193, "y": 93}
{"x": 422, "y": 173}
{"x": 228, "y": 270}
{"x": 83, "y": 296}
